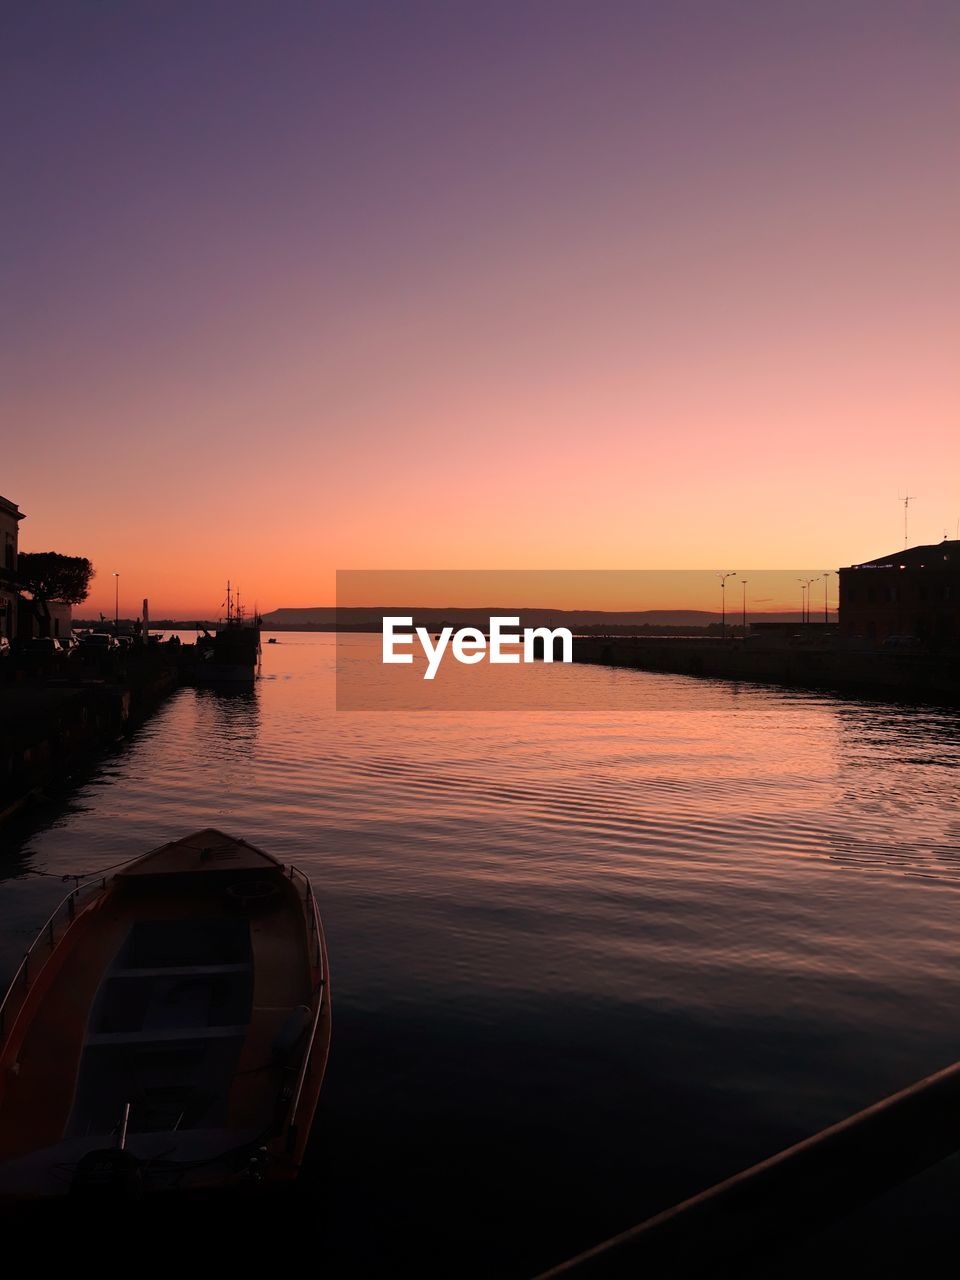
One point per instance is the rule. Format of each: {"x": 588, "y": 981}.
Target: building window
{"x": 8, "y": 555}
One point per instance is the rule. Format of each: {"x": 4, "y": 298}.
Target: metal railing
{"x": 751, "y": 1218}
{"x": 319, "y": 992}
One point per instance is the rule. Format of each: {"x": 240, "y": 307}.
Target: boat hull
{"x": 225, "y": 673}
{"x": 171, "y": 1024}
{"x": 228, "y": 656}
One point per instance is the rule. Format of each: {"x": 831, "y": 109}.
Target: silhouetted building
{"x": 910, "y": 593}
{"x": 10, "y": 517}
{"x": 58, "y": 623}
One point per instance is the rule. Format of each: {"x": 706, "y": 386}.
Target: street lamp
{"x": 810, "y": 582}
{"x": 723, "y": 599}
{"x": 116, "y": 605}
{"x": 743, "y": 583}
{"x": 803, "y": 599}
{"x": 826, "y": 584}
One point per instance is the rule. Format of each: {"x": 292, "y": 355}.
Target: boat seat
{"x": 157, "y": 1035}
{"x": 181, "y": 971}
{"x": 172, "y": 944}
{"x": 183, "y": 983}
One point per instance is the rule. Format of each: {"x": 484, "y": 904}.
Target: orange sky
{"x": 662, "y": 293}
{"x": 767, "y": 591}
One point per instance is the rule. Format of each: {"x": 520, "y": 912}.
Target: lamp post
{"x": 116, "y": 605}
{"x": 805, "y": 597}
{"x": 810, "y": 582}
{"x": 723, "y": 599}
{"x": 826, "y": 584}
{"x": 743, "y": 583}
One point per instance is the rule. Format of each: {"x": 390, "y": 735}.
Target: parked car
{"x": 97, "y": 641}
{"x": 42, "y": 646}
{"x": 69, "y": 643}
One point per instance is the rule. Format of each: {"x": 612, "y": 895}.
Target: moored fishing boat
{"x": 231, "y": 654}
{"x": 168, "y": 1030}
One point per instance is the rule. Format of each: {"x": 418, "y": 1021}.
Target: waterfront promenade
{"x": 54, "y": 721}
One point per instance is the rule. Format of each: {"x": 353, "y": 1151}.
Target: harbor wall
{"x": 50, "y": 728}
{"x": 911, "y": 676}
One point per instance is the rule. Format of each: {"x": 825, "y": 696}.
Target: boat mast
{"x": 229, "y": 602}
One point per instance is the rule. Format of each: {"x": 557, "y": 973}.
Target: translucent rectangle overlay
{"x": 477, "y": 639}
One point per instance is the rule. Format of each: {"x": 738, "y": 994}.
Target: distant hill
{"x": 328, "y": 618}
{"x": 370, "y": 619}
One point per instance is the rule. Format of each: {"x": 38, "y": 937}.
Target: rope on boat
{"x": 101, "y": 871}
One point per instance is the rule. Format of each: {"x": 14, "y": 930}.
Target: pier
{"x": 918, "y": 676}
{"x": 53, "y": 723}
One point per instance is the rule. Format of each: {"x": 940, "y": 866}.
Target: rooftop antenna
{"x": 910, "y": 497}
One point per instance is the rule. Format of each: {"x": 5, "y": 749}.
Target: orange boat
{"x": 168, "y": 1030}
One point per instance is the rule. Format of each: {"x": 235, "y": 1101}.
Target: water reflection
{"x": 583, "y": 963}
{"x": 228, "y": 718}
{"x": 898, "y": 789}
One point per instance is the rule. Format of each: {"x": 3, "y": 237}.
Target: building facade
{"x": 10, "y": 517}
{"x": 910, "y": 593}
{"x": 58, "y": 623}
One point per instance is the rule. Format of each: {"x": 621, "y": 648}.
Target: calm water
{"x": 583, "y": 964}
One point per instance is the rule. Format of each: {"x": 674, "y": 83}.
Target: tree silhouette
{"x": 51, "y": 577}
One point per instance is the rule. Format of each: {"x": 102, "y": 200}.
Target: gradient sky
{"x": 297, "y": 286}
{"x": 767, "y": 590}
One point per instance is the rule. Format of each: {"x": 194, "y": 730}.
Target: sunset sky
{"x": 294, "y": 287}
